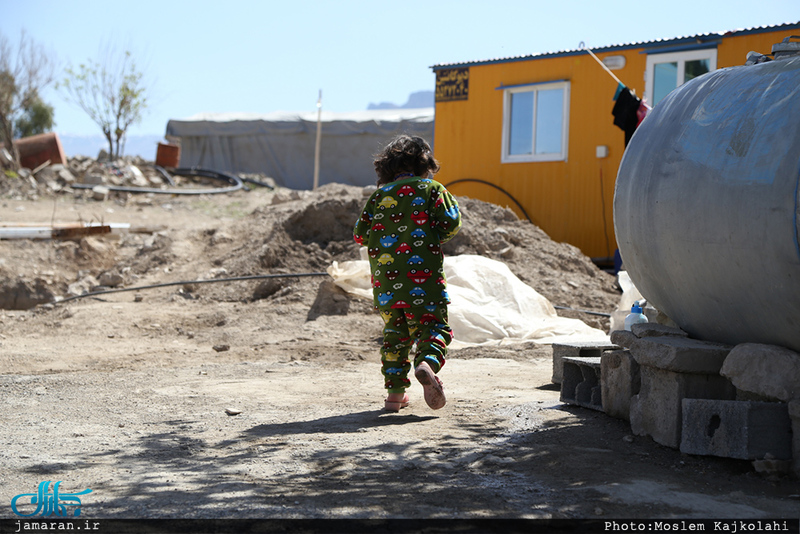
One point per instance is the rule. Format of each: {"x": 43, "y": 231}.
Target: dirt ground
{"x": 263, "y": 398}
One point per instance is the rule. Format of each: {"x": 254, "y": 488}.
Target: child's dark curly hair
{"x": 404, "y": 154}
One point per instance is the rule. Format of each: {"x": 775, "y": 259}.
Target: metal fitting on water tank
{"x": 786, "y": 48}
{"x": 783, "y": 50}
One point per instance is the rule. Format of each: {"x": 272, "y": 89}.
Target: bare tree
{"x": 24, "y": 71}
{"x": 111, "y": 92}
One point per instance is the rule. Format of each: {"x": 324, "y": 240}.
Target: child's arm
{"x": 446, "y": 214}
{"x": 361, "y": 230}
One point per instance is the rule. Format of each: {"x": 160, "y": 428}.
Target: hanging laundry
{"x": 625, "y": 111}
{"x": 641, "y": 113}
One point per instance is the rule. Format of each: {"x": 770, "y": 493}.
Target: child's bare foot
{"x": 433, "y": 387}
{"x": 395, "y": 401}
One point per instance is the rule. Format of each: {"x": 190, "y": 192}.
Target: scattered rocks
{"x": 24, "y": 295}
{"x": 110, "y": 279}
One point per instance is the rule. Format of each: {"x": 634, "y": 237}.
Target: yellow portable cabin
{"x": 536, "y": 133}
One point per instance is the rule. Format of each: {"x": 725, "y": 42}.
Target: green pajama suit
{"x": 403, "y": 226}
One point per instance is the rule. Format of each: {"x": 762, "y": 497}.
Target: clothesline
{"x": 582, "y": 46}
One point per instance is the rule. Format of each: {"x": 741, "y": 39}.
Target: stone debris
{"x": 765, "y": 370}
{"x": 128, "y": 171}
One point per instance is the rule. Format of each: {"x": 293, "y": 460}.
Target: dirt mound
{"x": 297, "y": 232}
{"x": 309, "y": 232}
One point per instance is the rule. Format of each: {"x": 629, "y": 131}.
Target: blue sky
{"x": 263, "y": 56}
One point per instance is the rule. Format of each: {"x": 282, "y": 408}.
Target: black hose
{"x": 167, "y": 284}
{"x": 490, "y": 184}
{"x": 236, "y": 183}
{"x": 601, "y": 314}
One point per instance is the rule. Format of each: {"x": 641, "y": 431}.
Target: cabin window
{"x": 535, "y": 122}
{"x": 665, "y": 72}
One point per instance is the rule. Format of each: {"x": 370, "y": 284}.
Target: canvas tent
{"x": 281, "y": 144}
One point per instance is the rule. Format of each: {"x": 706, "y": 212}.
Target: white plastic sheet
{"x": 490, "y": 305}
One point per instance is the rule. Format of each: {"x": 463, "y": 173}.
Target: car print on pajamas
{"x": 452, "y": 212}
{"x": 415, "y": 260}
{"x": 419, "y": 217}
{"x": 378, "y": 227}
{"x": 406, "y": 190}
{"x": 417, "y": 292}
{"x": 419, "y": 233}
{"x": 427, "y": 319}
{"x": 385, "y": 298}
{"x": 391, "y": 356}
{"x": 418, "y": 201}
{"x": 391, "y": 275}
{"x": 387, "y": 241}
{"x": 385, "y": 259}
{"x": 419, "y": 276}
{"x": 387, "y": 202}
{"x": 404, "y": 248}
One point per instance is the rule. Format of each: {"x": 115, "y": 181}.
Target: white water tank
{"x": 706, "y": 206}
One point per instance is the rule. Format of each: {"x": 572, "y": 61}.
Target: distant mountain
{"x": 90, "y": 145}
{"x": 420, "y": 99}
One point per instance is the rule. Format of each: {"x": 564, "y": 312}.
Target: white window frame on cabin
{"x": 675, "y": 57}
{"x": 542, "y": 155}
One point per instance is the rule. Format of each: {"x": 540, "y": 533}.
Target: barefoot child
{"x": 403, "y": 225}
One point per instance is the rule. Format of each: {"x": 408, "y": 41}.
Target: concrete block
{"x": 587, "y": 349}
{"x": 736, "y": 429}
{"x": 619, "y": 382}
{"x": 656, "y": 330}
{"x": 657, "y": 410}
{"x": 794, "y": 415}
{"x": 581, "y": 383}
{"x": 623, "y": 338}
{"x": 764, "y": 370}
{"x": 100, "y": 192}
{"x": 680, "y": 354}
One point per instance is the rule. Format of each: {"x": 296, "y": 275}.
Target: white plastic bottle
{"x": 635, "y": 316}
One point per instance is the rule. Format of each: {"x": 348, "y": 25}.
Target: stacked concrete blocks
{"x": 745, "y": 430}
{"x": 620, "y": 380}
{"x": 770, "y": 373}
{"x": 672, "y": 368}
{"x": 581, "y": 382}
{"x": 794, "y": 415}
{"x": 587, "y": 349}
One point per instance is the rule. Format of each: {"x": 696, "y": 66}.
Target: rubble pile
{"x": 30, "y": 184}
{"x": 129, "y": 171}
